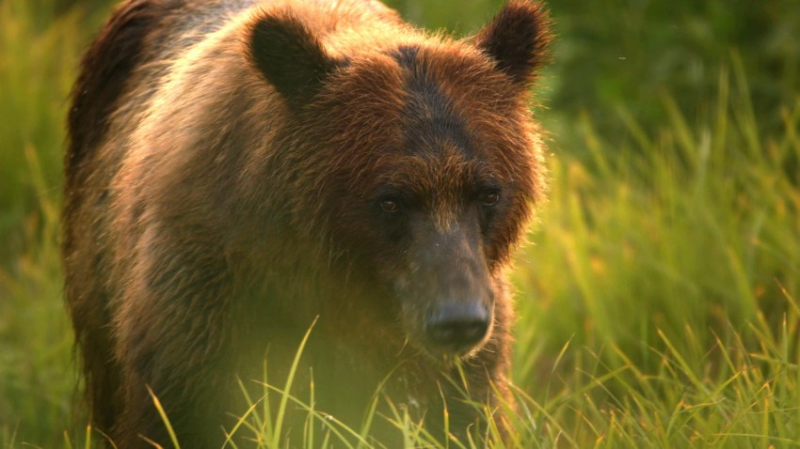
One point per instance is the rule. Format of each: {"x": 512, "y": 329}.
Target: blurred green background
{"x": 658, "y": 297}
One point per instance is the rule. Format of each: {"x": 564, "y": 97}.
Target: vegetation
{"x": 659, "y": 298}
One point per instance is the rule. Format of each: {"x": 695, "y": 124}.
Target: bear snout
{"x": 458, "y": 327}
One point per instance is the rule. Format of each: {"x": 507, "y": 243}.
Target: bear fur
{"x": 242, "y": 171}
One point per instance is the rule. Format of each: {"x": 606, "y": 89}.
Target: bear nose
{"x": 458, "y": 326}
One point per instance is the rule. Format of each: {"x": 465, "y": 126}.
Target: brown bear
{"x": 239, "y": 170}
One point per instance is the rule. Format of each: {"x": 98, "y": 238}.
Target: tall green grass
{"x": 38, "y": 52}
{"x": 659, "y": 301}
{"x": 658, "y": 298}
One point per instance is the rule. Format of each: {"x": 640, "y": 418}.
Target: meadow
{"x": 658, "y": 296}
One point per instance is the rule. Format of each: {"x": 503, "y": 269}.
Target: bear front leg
{"x": 186, "y": 370}
{"x": 173, "y": 327}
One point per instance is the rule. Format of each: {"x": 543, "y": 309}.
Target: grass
{"x": 36, "y": 370}
{"x": 658, "y": 300}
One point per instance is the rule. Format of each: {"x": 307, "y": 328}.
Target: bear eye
{"x": 490, "y": 199}
{"x": 389, "y": 205}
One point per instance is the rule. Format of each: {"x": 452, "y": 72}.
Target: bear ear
{"x": 517, "y": 40}
{"x": 289, "y": 57}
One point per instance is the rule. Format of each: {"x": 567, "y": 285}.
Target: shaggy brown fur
{"x": 240, "y": 168}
